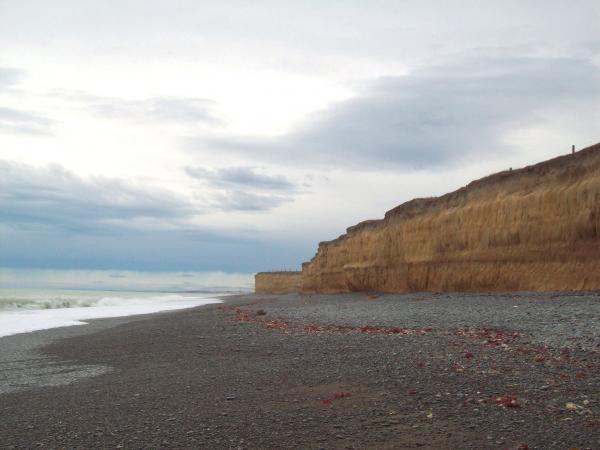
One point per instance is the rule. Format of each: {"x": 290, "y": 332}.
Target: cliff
{"x": 536, "y": 228}
{"x": 277, "y": 282}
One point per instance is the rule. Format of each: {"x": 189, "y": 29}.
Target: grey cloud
{"x": 240, "y": 176}
{"x": 50, "y": 217}
{"x": 54, "y": 198}
{"x": 239, "y": 200}
{"x": 435, "y": 116}
{"x": 10, "y": 76}
{"x": 160, "y": 109}
{"x": 24, "y": 122}
{"x": 19, "y": 121}
{"x": 244, "y": 188}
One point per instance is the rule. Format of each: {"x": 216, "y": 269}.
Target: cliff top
{"x": 571, "y": 164}
{"x": 275, "y": 272}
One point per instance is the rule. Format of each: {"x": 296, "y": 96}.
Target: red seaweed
{"x": 336, "y": 396}
{"x": 508, "y": 401}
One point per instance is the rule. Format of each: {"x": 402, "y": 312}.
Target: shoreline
{"x": 43, "y": 310}
{"x": 23, "y": 364}
{"x": 322, "y": 371}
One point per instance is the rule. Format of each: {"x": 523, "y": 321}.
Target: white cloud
{"x": 187, "y": 111}
{"x": 10, "y": 76}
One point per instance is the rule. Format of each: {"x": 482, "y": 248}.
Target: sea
{"x": 24, "y": 310}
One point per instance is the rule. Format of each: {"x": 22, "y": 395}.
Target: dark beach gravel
{"x": 444, "y": 371}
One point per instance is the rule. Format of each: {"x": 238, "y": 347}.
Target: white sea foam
{"x": 31, "y": 310}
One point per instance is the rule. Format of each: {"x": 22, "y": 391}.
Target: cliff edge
{"x": 535, "y": 228}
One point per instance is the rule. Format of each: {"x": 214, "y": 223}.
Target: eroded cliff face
{"x": 536, "y": 228}
{"x": 277, "y": 282}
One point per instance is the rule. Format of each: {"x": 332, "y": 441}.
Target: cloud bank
{"x": 54, "y": 198}
{"x": 53, "y": 218}
{"x": 436, "y": 116}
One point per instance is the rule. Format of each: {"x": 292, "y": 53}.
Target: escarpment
{"x": 536, "y": 228}
{"x": 277, "y": 282}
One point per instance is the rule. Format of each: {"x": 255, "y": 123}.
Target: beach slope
{"x": 345, "y": 371}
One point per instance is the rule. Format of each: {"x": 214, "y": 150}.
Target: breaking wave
{"x": 17, "y": 303}
{"x": 40, "y": 310}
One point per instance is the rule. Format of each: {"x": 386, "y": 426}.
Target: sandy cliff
{"x": 277, "y": 282}
{"x": 536, "y": 228}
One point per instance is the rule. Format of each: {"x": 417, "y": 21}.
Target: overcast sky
{"x": 235, "y": 135}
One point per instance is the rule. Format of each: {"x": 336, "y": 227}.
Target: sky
{"x": 233, "y": 136}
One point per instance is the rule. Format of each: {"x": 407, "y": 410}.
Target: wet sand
{"x": 335, "y": 371}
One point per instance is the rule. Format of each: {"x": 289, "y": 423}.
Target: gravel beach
{"x": 429, "y": 371}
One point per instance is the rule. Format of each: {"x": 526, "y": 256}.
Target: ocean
{"x": 24, "y": 310}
